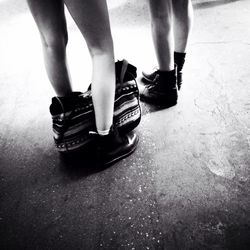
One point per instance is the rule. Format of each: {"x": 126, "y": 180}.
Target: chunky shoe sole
{"x": 163, "y": 103}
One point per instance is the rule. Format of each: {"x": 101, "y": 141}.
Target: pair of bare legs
{"x": 91, "y": 17}
{"x": 171, "y": 22}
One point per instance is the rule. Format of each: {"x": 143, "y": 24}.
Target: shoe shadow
{"x": 80, "y": 164}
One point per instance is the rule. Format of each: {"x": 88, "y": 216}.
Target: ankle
{"x": 167, "y": 78}
{"x": 103, "y": 132}
{"x": 167, "y": 75}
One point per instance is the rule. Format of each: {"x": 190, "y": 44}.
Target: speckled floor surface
{"x": 186, "y": 187}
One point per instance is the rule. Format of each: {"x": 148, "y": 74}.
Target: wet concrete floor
{"x": 186, "y": 187}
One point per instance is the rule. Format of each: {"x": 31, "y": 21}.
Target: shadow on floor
{"x": 211, "y": 4}
{"x": 80, "y": 164}
{"x": 150, "y": 108}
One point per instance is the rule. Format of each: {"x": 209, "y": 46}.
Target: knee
{"x": 101, "y": 47}
{"x": 55, "y": 40}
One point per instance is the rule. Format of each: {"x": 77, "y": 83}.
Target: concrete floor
{"x": 186, "y": 187}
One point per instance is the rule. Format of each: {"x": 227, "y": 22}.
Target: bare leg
{"x": 50, "y": 19}
{"x": 162, "y": 32}
{"x": 91, "y": 16}
{"x": 183, "y": 19}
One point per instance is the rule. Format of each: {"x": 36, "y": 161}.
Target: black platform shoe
{"x": 162, "y": 91}
{"x": 179, "y": 60}
{"x": 114, "y": 146}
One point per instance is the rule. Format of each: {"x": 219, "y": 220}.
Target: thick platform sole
{"x": 163, "y": 103}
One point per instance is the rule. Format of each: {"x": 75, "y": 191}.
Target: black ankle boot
{"x": 179, "y": 60}
{"x": 163, "y": 91}
{"x": 115, "y": 146}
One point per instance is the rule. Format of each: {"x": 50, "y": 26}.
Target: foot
{"x": 162, "y": 91}
{"x": 151, "y": 78}
{"x": 115, "y": 146}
